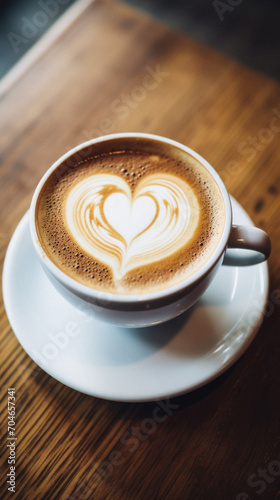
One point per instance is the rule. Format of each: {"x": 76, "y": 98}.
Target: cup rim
{"x": 97, "y": 295}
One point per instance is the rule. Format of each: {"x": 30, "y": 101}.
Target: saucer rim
{"x": 263, "y": 268}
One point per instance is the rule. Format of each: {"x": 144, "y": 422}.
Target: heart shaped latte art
{"x": 125, "y": 230}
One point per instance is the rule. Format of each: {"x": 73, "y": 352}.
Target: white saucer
{"x": 132, "y": 364}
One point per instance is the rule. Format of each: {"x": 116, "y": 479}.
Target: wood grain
{"x": 90, "y": 82}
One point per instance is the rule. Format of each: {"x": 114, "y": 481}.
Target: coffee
{"x": 133, "y": 216}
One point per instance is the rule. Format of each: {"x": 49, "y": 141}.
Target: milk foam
{"x": 125, "y": 230}
{"x": 155, "y": 216}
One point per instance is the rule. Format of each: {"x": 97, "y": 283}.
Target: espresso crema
{"x": 134, "y": 218}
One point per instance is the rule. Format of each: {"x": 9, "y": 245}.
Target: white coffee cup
{"x": 238, "y": 246}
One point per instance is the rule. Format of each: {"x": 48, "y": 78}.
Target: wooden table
{"x": 112, "y": 70}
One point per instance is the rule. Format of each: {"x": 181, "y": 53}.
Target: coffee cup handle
{"x": 246, "y": 246}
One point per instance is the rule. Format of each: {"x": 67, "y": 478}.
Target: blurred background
{"x": 246, "y": 30}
